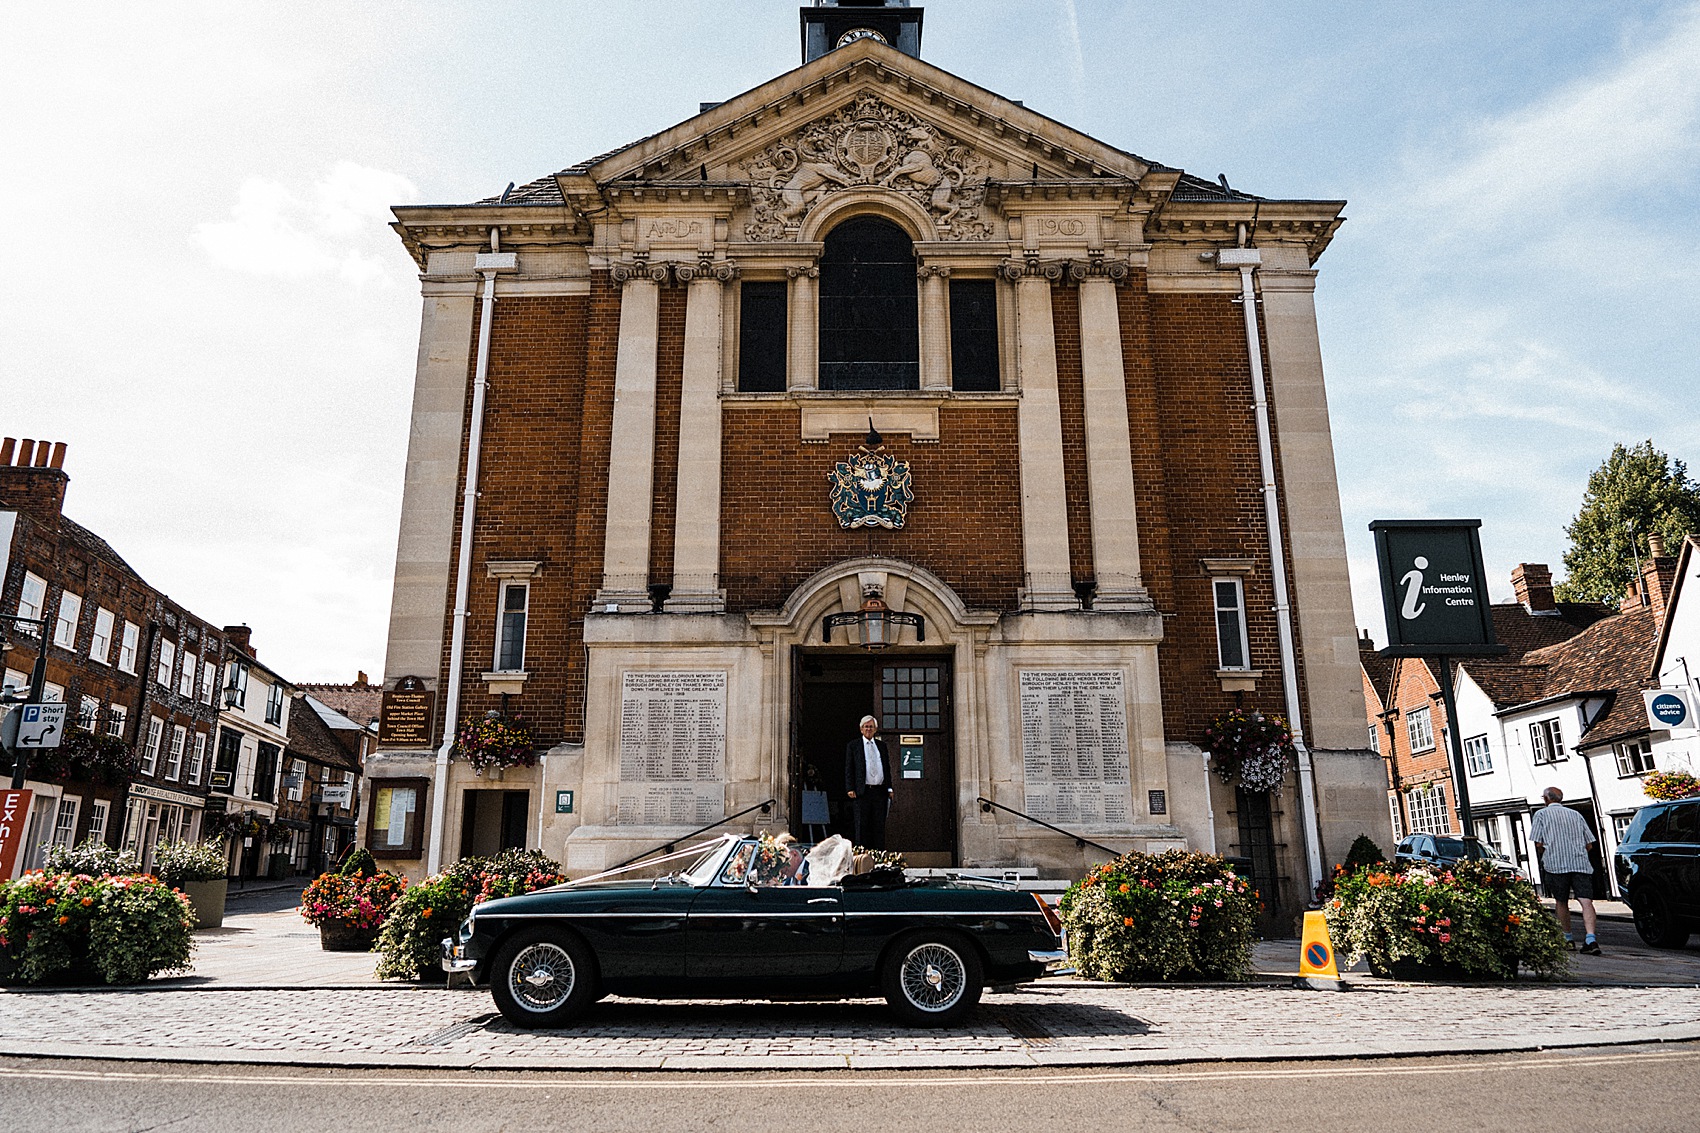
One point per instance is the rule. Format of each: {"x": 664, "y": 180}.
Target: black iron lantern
{"x": 875, "y": 626}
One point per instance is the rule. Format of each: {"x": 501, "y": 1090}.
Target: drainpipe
{"x": 1247, "y": 260}
{"x": 489, "y": 264}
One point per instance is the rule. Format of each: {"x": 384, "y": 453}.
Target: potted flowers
{"x": 349, "y": 907}
{"x": 1251, "y": 746}
{"x": 1666, "y": 785}
{"x": 197, "y": 869}
{"x": 496, "y": 742}
{"x": 1173, "y": 915}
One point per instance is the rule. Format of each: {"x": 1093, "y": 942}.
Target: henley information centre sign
{"x": 1433, "y": 588}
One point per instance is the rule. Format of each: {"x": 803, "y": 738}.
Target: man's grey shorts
{"x": 1563, "y": 886}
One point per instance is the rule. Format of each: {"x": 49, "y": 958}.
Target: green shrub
{"x": 1470, "y": 919}
{"x": 1364, "y": 852}
{"x": 411, "y": 940}
{"x": 1161, "y": 916}
{"x": 360, "y": 863}
{"x": 179, "y": 863}
{"x": 92, "y": 857}
{"x": 74, "y": 928}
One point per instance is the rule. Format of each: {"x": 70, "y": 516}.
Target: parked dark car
{"x": 1449, "y": 849}
{"x": 709, "y": 923}
{"x": 1658, "y": 870}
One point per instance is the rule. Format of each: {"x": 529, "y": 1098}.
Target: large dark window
{"x": 974, "y": 334}
{"x": 265, "y": 772}
{"x": 869, "y": 319}
{"x": 761, "y": 337}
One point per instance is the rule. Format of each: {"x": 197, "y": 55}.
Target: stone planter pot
{"x": 337, "y": 936}
{"x": 207, "y": 899}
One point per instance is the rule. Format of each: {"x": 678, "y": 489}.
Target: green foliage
{"x": 414, "y": 930}
{"x": 92, "y": 857}
{"x": 178, "y": 863}
{"x": 1470, "y": 918}
{"x": 1163, "y": 916}
{"x": 1364, "y": 852}
{"x": 1640, "y": 486}
{"x": 74, "y": 928}
{"x": 351, "y": 899}
{"x": 360, "y": 863}
{"x": 85, "y": 757}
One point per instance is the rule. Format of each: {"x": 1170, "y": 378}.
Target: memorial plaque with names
{"x": 404, "y": 717}
{"x": 672, "y": 748}
{"x": 1074, "y": 746}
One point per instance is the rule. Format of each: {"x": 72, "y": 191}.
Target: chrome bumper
{"x": 454, "y": 957}
{"x": 1051, "y": 960}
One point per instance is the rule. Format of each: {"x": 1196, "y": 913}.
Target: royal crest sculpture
{"x": 871, "y": 488}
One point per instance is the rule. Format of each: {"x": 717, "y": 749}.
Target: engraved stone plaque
{"x": 1074, "y": 746}
{"x": 672, "y": 748}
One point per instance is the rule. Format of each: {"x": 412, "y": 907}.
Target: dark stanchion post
{"x": 1455, "y": 741}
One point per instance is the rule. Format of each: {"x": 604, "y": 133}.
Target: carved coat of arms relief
{"x": 868, "y": 145}
{"x": 871, "y": 488}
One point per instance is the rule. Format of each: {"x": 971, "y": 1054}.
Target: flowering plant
{"x": 434, "y": 908}
{"x": 1159, "y": 916}
{"x": 1252, "y": 746}
{"x": 350, "y": 900}
{"x": 496, "y": 741}
{"x": 73, "y": 927}
{"x": 1665, "y": 785}
{"x": 1470, "y": 919}
{"x": 85, "y": 757}
{"x": 237, "y": 825}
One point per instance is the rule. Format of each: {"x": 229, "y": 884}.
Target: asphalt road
{"x": 1624, "y": 1089}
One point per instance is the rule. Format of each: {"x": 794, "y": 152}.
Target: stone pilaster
{"x": 1109, "y": 450}
{"x": 803, "y": 372}
{"x": 1044, "y": 505}
{"x": 696, "y": 523}
{"x": 935, "y": 326}
{"x": 631, "y": 457}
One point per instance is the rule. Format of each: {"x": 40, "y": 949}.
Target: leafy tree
{"x": 1636, "y": 491}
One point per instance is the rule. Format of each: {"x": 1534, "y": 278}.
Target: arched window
{"x": 869, "y": 318}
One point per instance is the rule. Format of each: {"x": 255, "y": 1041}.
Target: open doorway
{"x": 910, "y": 696}
{"x": 493, "y": 821}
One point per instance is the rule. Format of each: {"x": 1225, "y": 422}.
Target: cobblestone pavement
{"x": 1056, "y": 1022}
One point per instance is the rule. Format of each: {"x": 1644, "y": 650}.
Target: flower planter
{"x": 339, "y": 936}
{"x": 207, "y": 899}
{"x": 1416, "y": 971}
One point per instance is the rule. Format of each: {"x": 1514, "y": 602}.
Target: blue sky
{"x": 201, "y": 296}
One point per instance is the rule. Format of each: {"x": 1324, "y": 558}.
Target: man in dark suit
{"x": 867, "y": 780}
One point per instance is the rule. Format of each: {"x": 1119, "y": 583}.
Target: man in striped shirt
{"x": 1562, "y": 839}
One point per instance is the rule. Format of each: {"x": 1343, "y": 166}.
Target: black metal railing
{"x": 667, "y": 847}
{"x": 987, "y": 806}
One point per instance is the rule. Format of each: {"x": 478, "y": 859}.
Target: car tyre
{"x": 543, "y": 978}
{"x": 1654, "y": 921}
{"x": 932, "y": 979}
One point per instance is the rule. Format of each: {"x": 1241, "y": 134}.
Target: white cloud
{"x": 273, "y": 231}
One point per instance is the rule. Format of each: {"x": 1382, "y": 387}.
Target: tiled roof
{"x": 1520, "y": 631}
{"x": 1190, "y": 188}
{"x": 1379, "y": 670}
{"x": 94, "y": 545}
{"x": 311, "y": 738}
{"x": 543, "y": 191}
{"x": 358, "y": 703}
{"x": 1610, "y": 656}
{"x": 1508, "y": 683}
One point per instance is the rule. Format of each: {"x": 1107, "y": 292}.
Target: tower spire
{"x": 830, "y": 24}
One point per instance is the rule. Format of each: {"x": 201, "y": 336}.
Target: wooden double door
{"x": 910, "y": 695}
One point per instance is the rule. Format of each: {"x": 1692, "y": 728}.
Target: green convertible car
{"x": 740, "y": 917}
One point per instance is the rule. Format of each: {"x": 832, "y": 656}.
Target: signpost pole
{"x": 38, "y": 684}
{"x": 1455, "y": 741}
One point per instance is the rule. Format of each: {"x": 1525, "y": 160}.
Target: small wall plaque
{"x": 1159, "y": 801}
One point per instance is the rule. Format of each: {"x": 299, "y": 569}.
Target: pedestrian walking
{"x": 1562, "y": 841}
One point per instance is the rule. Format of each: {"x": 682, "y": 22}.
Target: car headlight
{"x": 465, "y": 933}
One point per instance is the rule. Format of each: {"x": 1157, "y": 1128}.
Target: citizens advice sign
{"x": 1433, "y": 588}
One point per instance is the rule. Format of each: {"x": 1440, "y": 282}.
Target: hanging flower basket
{"x": 1252, "y": 747}
{"x": 1666, "y": 785}
{"x": 496, "y": 742}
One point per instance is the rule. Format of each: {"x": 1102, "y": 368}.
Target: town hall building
{"x": 870, "y": 391}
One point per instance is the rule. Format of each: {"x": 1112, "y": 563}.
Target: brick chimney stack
{"x": 238, "y": 636}
{"x": 1532, "y": 583}
{"x": 1658, "y": 576}
{"x": 32, "y": 478}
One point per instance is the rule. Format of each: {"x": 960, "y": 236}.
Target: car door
{"x": 762, "y": 935}
{"x": 1681, "y": 852}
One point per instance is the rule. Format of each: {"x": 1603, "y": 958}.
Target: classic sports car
{"x": 724, "y": 920}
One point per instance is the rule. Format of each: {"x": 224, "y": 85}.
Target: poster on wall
{"x": 1074, "y": 746}
{"x": 672, "y": 748}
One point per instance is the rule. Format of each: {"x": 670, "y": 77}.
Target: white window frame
{"x": 1634, "y": 758}
{"x": 52, "y": 693}
{"x": 1478, "y": 755}
{"x": 150, "y": 749}
{"x": 65, "y": 622}
{"x": 298, "y": 791}
{"x": 1419, "y": 729}
{"x": 100, "y": 642}
{"x": 1546, "y": 739}
{"x": 1395, "y": 814}
{"x": 32, "y": 601}
{"x": 88, "y": 713}
{"x": 116, "y": 717}
{"x": 274, "y": 705}
{"x": 186, "y": 677}
{"x": 167, "y": 663}
{"x": 508, "y": 586}
{"x": 198, "y": 758}
{"x": 1428, "y": 809}
{"x": 209, "y": 681}
{"x": 1237, "y": 608}
{"x": 64, "y": 833}
{"x": 1375, "y": 738}
{"x": 174, "y": 756}
{"x": 236, "y": 686}
{"x": 1620, "y": 826}
{"x": 128, "y": 645}
{"x": 97, "y": 820}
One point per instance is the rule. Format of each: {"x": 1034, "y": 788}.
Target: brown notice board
{"x": 405, "y": 716}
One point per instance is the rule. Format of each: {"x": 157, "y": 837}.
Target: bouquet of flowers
{"x": 350, "y": 899}
{"x": 496, "y": 741}
{"x": 1252, "y": 746}
{"x": 1666, "y": 785}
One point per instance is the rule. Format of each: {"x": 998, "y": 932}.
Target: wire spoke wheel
{"x": 933, "y": 977}
{"x": 541, "y": 976}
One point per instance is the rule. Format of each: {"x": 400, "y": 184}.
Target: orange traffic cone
{"x": 1317, "y": 970}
